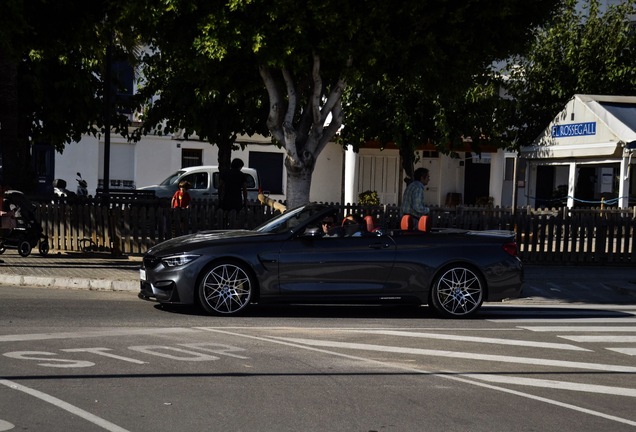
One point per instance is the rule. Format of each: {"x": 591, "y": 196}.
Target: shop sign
{"x": 574, "y": 129}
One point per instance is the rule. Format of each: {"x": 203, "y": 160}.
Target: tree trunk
{"x": 8, "y": 120}
{"x": 298, "y": 180}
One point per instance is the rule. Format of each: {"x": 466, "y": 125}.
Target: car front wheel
{"x": 225, "y": 289}
{"x": 458, "y": 292}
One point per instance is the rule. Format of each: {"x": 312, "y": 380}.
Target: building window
{"x": 270, "y": 170}
{"x": 510, "y": 169}
{"x": 191, "y": 157}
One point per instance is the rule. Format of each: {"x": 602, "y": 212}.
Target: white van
{"x": 205, "y": 183}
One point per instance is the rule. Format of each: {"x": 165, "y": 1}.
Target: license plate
{"x": 142, "y": 274}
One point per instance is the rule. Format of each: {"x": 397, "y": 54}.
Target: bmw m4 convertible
{"x": 295, "y": 258}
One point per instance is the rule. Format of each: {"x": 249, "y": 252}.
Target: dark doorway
{"x": 476, "y": 181}
{"x": 270, "y": 170}
{"x": 585, "y": 185}
{"x": 44, "y": 168}
{"x": 545, "y": 186}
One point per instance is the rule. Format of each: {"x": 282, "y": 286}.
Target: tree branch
{"x": 275, "y": 104}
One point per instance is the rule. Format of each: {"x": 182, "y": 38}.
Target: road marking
{"x": 557, "y": 385}
{"x": 602, "y": 339}
{"x": 93, "y": 333}
{"x": 462, "y": 355}
{"x": 5, "y": 426}
{"x": 514, "y": 342}
{"x": 566, "y": 320}
{"x": 104, "y": 424}
{"x": 451, "y": 377}
{"x": 102, "y": 352}
{"x": 628, "y": 351}
{"x": 580, "y": 329}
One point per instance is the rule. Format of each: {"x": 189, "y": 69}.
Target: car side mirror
{"x": 312, "y": 232}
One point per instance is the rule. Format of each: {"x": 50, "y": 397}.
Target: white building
{"x": 339, "y": 175}
{"x": 586, "y": 152}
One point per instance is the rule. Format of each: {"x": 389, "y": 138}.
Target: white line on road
{"x": 628, "y": 351}
{"x": 445, "y": 376}
{"x": 514, "y": 342}
{"x": 580, "y": 328}
{"x": 463, "y": 355}
{"x": 566, "y": 320}
{"x": 93, "y": 333}
{"x": 558, "y": 385}
{"x": 601, "y": 339}
{"x": 104, "y": 424}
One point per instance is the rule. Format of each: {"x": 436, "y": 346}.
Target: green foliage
{"x": 52, "y": 65}
{"x": 444, "y": 89}
{"x": 369, "y": 198}
{"x": 582, "y": 51}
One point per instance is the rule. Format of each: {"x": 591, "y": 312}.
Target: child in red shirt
{"x": 181, "y": 198}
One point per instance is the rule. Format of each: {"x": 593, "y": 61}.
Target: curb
{"x": 71, "y": 283}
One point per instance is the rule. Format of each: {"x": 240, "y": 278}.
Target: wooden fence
{"x": 549, "y": 236}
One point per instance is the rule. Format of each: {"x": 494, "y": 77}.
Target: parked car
{"x": 204, "y": 180}
{"x": 290, "y": 259}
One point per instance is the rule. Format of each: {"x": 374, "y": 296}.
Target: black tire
{"x": 2, "y": 249}
{"x": 458, "y": 292}
{"x": 226, "y": 288}
{"x": 24, "y": 248}
{"x": 44, "y": 248}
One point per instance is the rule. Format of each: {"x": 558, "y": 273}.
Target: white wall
{"x": 326, "y": 183}
{"x": 154, "y": 158}
{"x": 80, "y": 157}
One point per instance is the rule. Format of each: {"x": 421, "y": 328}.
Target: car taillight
{"x": 510, "y": 248}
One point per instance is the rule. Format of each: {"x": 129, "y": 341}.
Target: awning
{"x": 572, "y": 150}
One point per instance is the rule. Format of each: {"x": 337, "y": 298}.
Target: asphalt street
{"x": 570, "y": 284}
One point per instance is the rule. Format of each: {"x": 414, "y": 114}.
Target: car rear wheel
{"x": 458, "y": 292}
{"x": 225, "y": 289}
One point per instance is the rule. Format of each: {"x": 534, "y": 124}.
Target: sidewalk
{"x": 93, "y": 271}
{"x": 101, "y": 271}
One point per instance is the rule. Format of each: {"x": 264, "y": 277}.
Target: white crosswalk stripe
{"x": 612, "y": 333}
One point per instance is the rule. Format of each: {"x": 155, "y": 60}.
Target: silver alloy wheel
{"x": 458, "y": 292}
{"x": 225, "y": 289}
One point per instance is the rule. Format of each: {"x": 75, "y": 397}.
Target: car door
{"x": 338, "y": 266}
{"x": 200, "y": 184}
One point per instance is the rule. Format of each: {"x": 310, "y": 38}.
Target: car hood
{"x": 203, "y": 239}
{"x": 160, "y": 191}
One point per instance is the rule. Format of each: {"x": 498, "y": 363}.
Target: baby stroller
{"x": 20, "y": 229}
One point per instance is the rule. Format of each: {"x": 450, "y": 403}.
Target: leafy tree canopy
{"x": 582, "y": 51}
{"x": 309, "y": 53}
{"x": 51, "y": 69}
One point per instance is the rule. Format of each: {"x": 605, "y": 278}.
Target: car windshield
{"x": 172, "y": 179}
{"x": 290, "y": 219}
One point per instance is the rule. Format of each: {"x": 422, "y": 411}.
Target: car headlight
{"x": 178, "y": 260}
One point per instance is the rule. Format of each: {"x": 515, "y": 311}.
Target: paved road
{"x": 103, "y": 360}
{"x": 585, "y": 284}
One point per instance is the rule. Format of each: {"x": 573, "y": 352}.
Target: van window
{"x": 172, "y": 179}
{"x": 198, "y": 180}
{"x": 251, "y": 183}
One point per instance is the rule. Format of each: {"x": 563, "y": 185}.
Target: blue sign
{"x": 574, "y": 129}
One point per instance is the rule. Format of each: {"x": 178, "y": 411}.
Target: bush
{"x": 369, "y": 198}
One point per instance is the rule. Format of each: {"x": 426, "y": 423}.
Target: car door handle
{"x": 379, "y": 245}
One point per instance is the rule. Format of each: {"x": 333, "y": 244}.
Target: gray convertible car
{"x": 293, "y": 258}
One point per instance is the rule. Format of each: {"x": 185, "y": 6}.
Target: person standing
{"x": 233, "y": 187}
{"x": 413, "y": 199}
{"x": 181, "y": 198}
